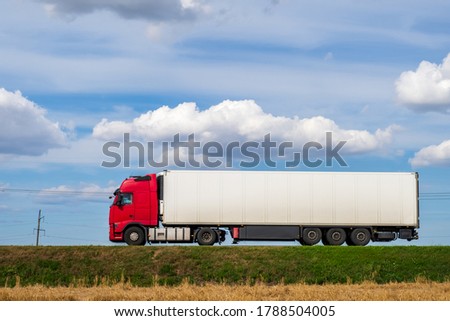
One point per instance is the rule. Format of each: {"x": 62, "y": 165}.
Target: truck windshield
{"x": 127, "y": 198}
{"x": 122, "y": 198}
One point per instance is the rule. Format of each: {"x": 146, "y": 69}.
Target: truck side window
{"x": 127, "y": 198}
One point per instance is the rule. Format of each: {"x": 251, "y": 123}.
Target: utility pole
{"x": 38, "y": 229}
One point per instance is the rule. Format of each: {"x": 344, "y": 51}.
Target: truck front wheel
{"x": 134, "y": 235}
{"x": 206, "y": 236}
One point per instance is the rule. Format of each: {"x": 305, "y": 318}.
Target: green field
{"x": 172, "y": 265}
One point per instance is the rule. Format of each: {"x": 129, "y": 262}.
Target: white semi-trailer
{"x": 200, "y": 206}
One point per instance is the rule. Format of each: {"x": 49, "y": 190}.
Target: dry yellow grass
{"x": 418, "y": 291}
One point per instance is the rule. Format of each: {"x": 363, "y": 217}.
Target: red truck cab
{"x": 134, "y": 209}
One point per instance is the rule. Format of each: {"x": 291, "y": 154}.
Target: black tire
{"x": 206, "y": 236}
{"x": 335, "y": 236}
{"x": 134, "y": 235}
{"x": 360, "y": 236}
{"x": 311, "y": 235}
{"x": 349, "y": 241}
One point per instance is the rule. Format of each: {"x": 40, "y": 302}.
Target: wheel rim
{"x": 361, "y": 236}
{"x": 134, "y": 236}
{"x": 312, "y": 235}
{"x": 336, "y": 236}
{"x": 206, "y": 237}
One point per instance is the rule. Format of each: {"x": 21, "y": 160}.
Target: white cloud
{"x": 115, "y": 56}
{"x": 87, "y": 192}
{"x": 81, "y": 152}
{"x": 438, "y": 155}
{"x": 3, "y": 186}
{"x": 427, "y": 88}
{"x": 239, "y": 120}
{"x": 24, "y": 128}
{"x": 151, "y": 10}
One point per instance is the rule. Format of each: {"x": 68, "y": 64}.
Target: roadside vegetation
{"x": 94, "y": 266}
{"x": 368, "y": 291}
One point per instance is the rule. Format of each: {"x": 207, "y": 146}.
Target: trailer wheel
{"x": 360, "y": 236}
{"x": 335, "y": 236}
{"x": 349, "y": 241}
{"x": 206, "y": 236}
{"x": 134, "y": 235}
{"x": 311, "y": 235}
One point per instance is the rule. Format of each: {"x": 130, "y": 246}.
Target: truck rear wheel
{"x": 206, "y": 236}
{"x": 360, "y": 236}
{"x": 349, "y": 241}
{"x": 311, "y": 236}
{"x": 335, "y": 236}
{"x": 134, "y": 235}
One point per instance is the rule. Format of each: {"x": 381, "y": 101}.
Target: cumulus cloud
{"x": 24, "y": 128}
{"x": 427, "y": 88}
{"x": 150, "y": 10}
{"x": 239, "y": 120}
{"x": 434, "y": 155}
{"x": 86, "y": 192}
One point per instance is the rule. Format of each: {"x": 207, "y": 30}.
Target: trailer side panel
{"x": 233, "y": 198}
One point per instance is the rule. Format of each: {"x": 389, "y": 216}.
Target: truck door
{"x": 124, "y": 208}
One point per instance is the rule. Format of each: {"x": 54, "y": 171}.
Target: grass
{"x": 94, "y": 266}
{"x": 368, "y": 291}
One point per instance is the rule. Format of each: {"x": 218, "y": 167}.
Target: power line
{"x": 426, "y": 193}
{"x": 16, "y": 237}
{"x": 16, "y": 224}
{"x": 69, "y": 238}
{"x": 434, "y": 236}
{"x": 47, "y": 191}
{"x": 434, "y": 196}
{"x": 76, "y": 225}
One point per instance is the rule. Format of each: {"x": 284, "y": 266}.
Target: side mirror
{"x": 119, "y": 200}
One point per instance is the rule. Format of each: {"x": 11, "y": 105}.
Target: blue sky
{"x": 75, "y": 74}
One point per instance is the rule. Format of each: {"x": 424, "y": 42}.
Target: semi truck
{"x": 206, "y": 207}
